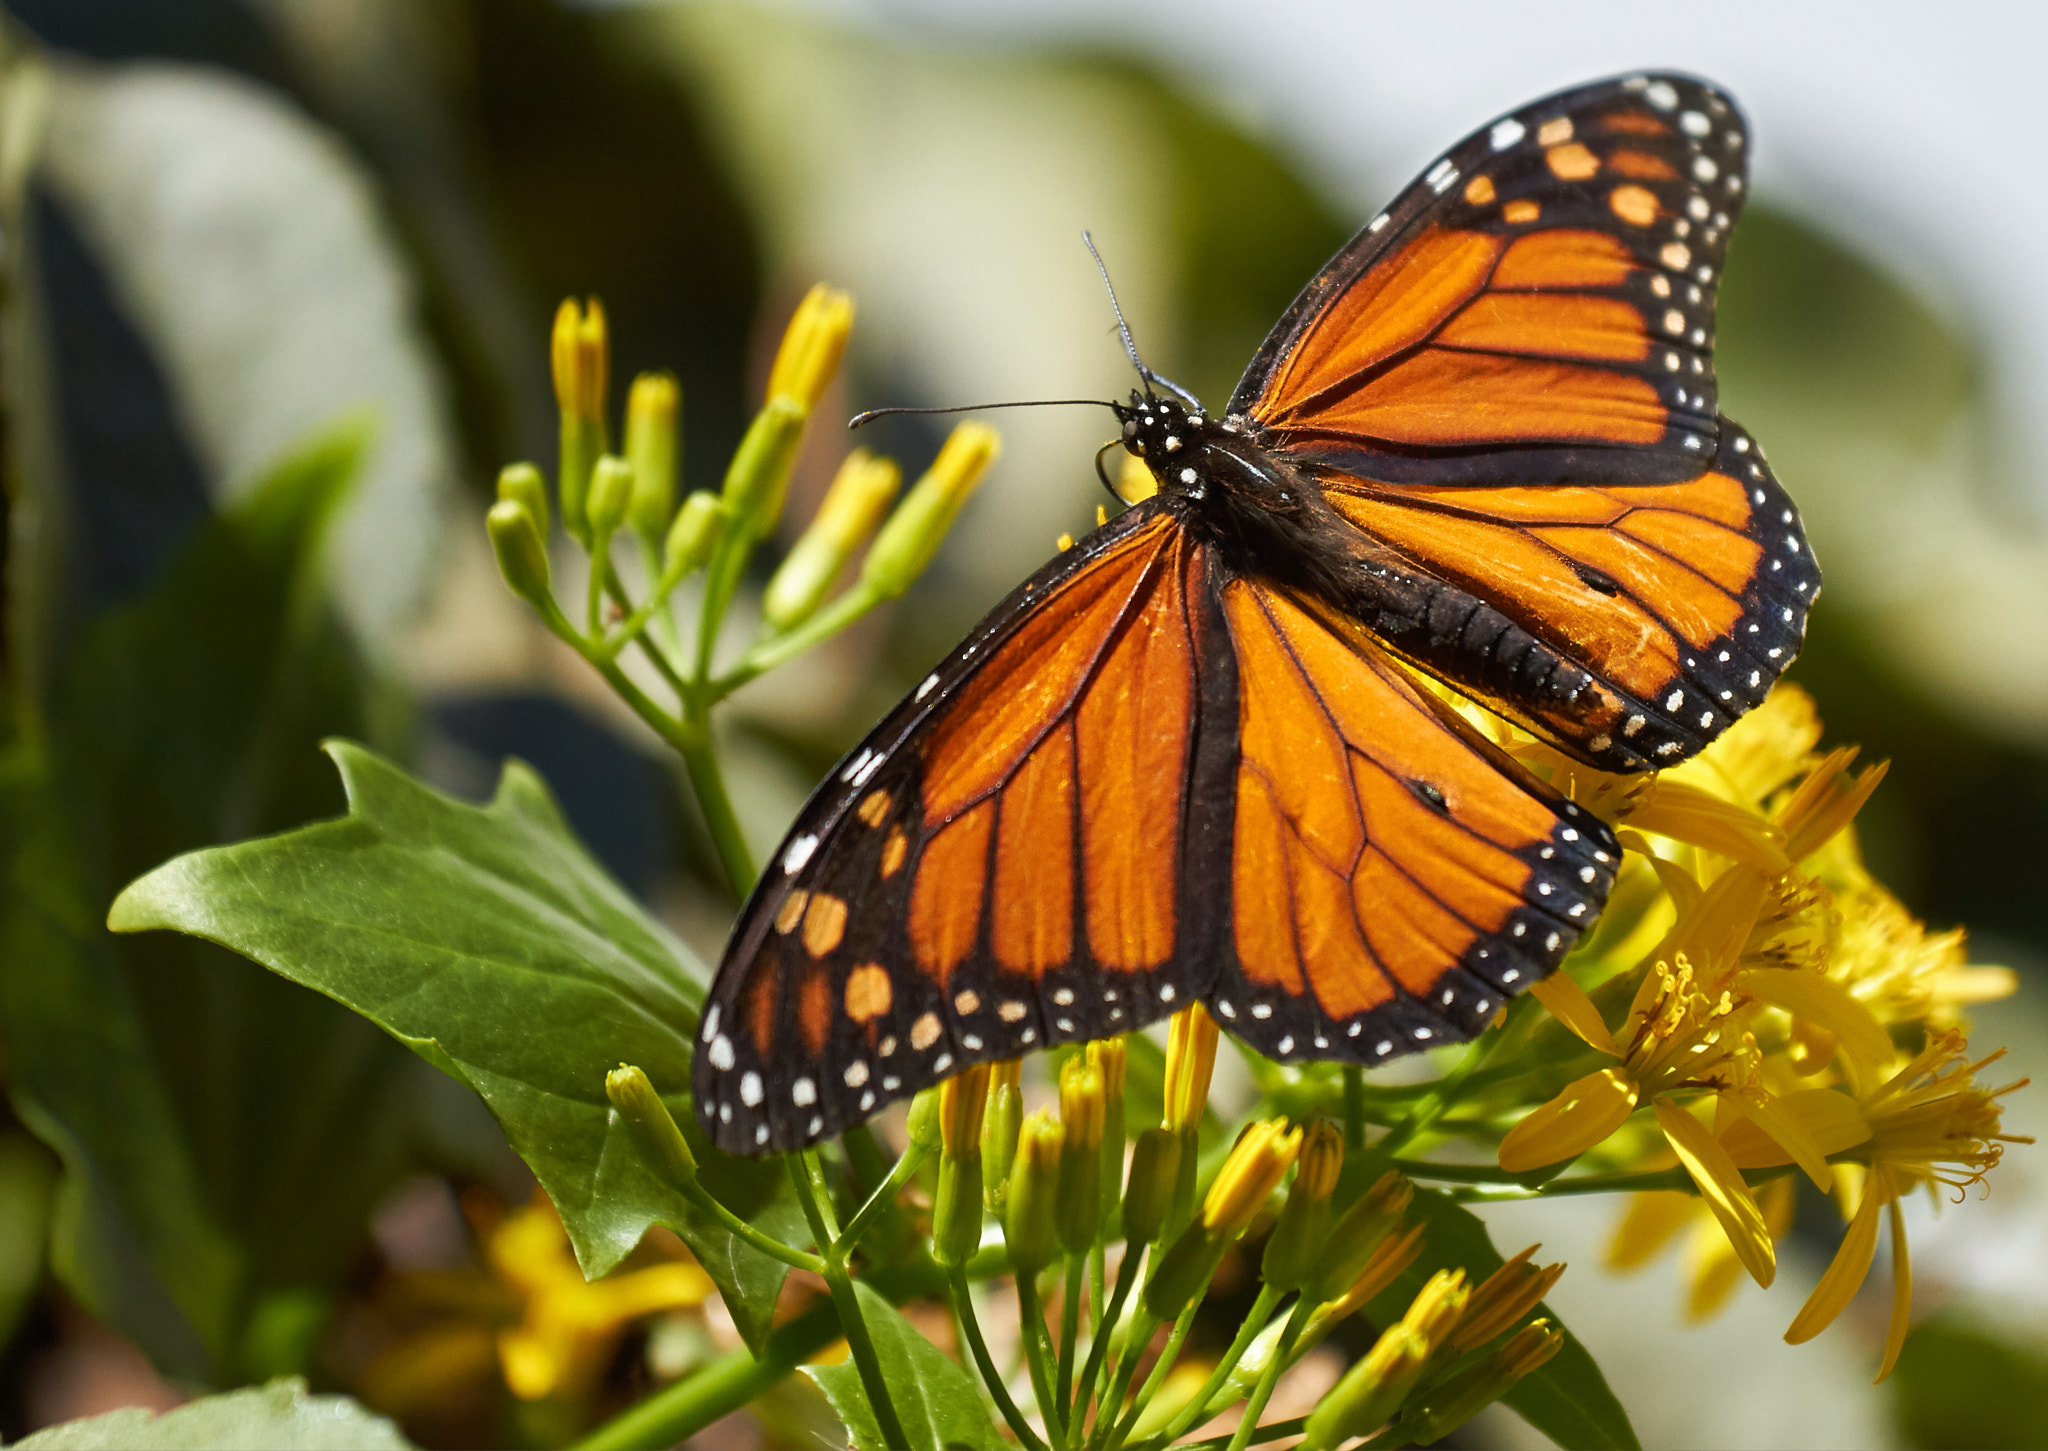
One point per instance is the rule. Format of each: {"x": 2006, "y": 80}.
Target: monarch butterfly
{"x": 1186, "y": 760}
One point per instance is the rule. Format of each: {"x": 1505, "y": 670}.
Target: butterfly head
{"x": 1161, "y": 431}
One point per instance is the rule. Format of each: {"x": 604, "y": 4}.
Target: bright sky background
{"x": 1912, "y": 131}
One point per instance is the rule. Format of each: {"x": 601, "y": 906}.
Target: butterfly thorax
{"x": 1258, "y": 510}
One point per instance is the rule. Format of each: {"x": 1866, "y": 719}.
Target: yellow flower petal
{"x": 1586, "y": 1112}
{"x": 1568, "y": 1003}
{"x": 1902, "y": 1294}
{"x": 1815, "y": 998}
{"x": 1844, "y": 1273}
{"x": 1687, "y": 813}
{"x": 1712, "y": 1271}
{"x": 1785, "y": 1130}
{"x": 1653, "y": 1219}
{"x": 1721, "y": 1185}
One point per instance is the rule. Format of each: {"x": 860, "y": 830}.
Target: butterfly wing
{"x": 1395, "y": 878}
{"x": 1507, "y": 381}
{"x": 1014, "y": 858}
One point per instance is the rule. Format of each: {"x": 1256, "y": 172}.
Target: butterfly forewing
{"x": 1013, "y": 859}
{"x": 1540, "y": 301}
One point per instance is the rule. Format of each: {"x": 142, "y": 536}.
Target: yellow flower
{"x": 571, "y": 1325}
{"x": 550, "y": 1332}
{"x": 1928, "y": 1124}
{"x": 1676, "y": 1040}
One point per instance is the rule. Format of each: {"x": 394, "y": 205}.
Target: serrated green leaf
{"x": 489, "y": 941}
{"x": 1567, "y": 1399}
{"x": 938, "y": 1403}
{"x": 276, "y": 1417}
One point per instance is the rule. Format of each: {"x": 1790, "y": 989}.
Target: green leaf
{"x": 1567, "y": 1399}
{"x": 491, "y": 943}
{"x": 276, "y": 1417}
{"x": 938, "y": 1403}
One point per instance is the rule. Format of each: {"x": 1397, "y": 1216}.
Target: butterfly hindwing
{"x": 1004, "y": 864}
{"x": 1539, "y": 304}
{"x": 1662, "y": 612}
{"x": 1395, "y": 878}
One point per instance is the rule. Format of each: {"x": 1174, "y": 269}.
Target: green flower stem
{"x": 682, "y": 734}
{"x": 1527, "y": 1186}
{"x": 879, "y": 1202}
{"x": 708, "y": 781}
{"x": 1278, "y": 1431}
{"x": 817, "y": 1206}
{"x": 656, "y": 616}
{"x": 1197, "y": 1410}
{"x": 1105, "y": 1323}
{"x": 600, "y": 566}
{"x": 766, "y": 1243}
{"x": 1441, "y": 1096}
{"x": 970, "y": 1331}
{"x": 721, "y": 582}
{"x": 1270, "y": 1377}
{"x": 679, "y": 1411}
{"x": 1143, "y": 1323}
{"x": 1070, "y": 1330}
{"x": 1354, "y": 1109}
{"x": 1167, "y": 1356}
{"x": 1038, "y": 1356}
{"x": 767, "y": 654}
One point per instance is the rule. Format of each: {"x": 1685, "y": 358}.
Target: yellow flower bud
{"x": 581, "y": 359}
{"x": 962, "y": 1100}
{"x": 1295, "y": 1248}
{"x": 999, "y": 1129}
{"x": 1259, "y": 1160}
{"x": 522, "y": 556}
{"x": 1465, "y": 1393}
{"x": 1030, "y": 1226}
{"x": 812, "y": 346}
{"x": 1382, "y": 1267}
{"x": 758, "y": 477}
{"x": 923, "y": 1123}
{"x": 522, "y": 483}
{"x": 693, "y": 535}
{"x": 1155, "y": 1169}
{"x": 1190, "y": 1061}
{"x": 853, "y": 508}
{"x": 648, "y": 1122}
{"x": 1083, "y": 1109}
{"x": 611, "y": 490}
{"x": 651, "y": 407}
{"x": 912, "y": 535}
{"x": 1507, "y": 1295}
{"x": 1370, "y": 1392}
{"x": 956, "y": 1208}
{"x": 1109, "y": 1056}
{"x": 1360, "y": 1230}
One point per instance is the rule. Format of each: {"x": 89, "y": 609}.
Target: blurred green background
{"x": 227, "y": 226}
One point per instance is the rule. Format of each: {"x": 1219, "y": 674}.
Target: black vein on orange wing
{"x": 880, "y": 1025}
{"x": 1485, "y": 875}
{"x": 1524, "y": 181}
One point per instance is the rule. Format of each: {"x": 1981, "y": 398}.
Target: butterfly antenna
{"x": 1124, "y": 328}
{"x": 860, "y": 418}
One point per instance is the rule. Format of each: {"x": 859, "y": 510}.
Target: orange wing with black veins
{"x": 1506, "y": 381}
{"x": 1012, "y": 859}
{"x": 1395, "y": 878}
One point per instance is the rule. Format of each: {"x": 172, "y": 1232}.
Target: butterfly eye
{"x": 1130, "y": 428}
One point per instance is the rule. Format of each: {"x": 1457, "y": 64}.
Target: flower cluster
{"x": 1772, "y": 1005}
{"x": 1056, "y": 1185}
